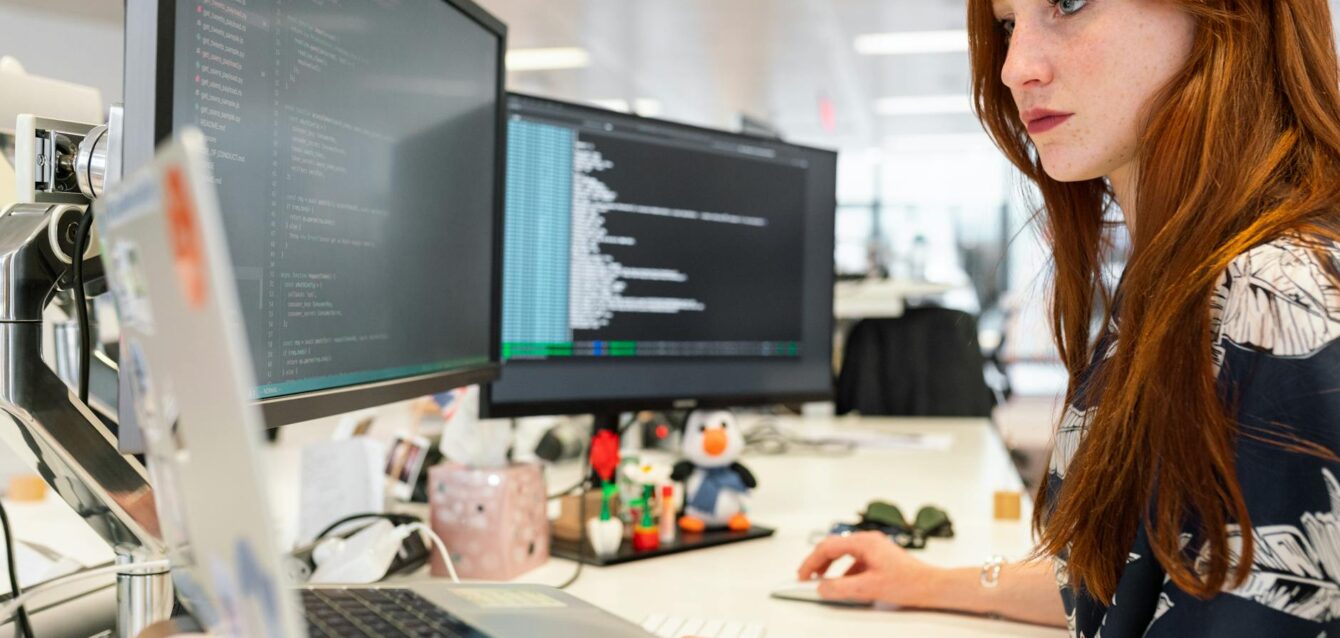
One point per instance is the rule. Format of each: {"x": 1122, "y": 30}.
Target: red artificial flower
{"x": 605, "y": 454}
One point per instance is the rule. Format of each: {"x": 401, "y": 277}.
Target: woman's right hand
{"x": 882, "y": 572}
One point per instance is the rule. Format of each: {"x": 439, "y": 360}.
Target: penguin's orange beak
{"x": 714, "y": 441}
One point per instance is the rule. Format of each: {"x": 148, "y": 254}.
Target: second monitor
{"x": 649, "y": 264}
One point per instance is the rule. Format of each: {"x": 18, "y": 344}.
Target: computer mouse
{"x": 808, "y": 591}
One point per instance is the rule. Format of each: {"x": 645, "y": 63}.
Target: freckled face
{"x": 1083, "y": 71}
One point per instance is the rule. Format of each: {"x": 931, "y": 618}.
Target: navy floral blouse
{"x": 1276, "y": 337}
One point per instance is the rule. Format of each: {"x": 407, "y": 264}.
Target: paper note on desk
{"x": 875, "y": 440}
{"x": 339, "y": 478}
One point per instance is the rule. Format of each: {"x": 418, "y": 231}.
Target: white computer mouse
{"x": 808, "y": 591}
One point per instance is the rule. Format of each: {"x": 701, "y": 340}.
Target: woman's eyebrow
{"x": 1000, "y": 9}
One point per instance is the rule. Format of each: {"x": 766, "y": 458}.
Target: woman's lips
{"x": 1046, "y": 123}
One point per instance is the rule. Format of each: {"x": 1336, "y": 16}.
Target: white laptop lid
{"x": 185, "y": 348}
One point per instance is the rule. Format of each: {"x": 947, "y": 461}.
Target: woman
{"x": 1193, "y": 487}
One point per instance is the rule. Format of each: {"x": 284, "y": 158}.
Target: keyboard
{"x": 378, "y": 613}
{"x": 677, "y": 627}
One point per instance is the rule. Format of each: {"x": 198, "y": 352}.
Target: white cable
{"x": 441, "y": 548}
{"x": 8, "y": 611}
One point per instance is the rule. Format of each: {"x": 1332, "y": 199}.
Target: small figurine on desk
{"x": 716, "y": 483}
{"x": 646, "y": 534}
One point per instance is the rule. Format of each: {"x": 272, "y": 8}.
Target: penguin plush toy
{"x": 715, "y": 482}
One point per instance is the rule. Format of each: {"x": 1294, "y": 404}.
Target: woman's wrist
{"x": 936, "y": 589}
{"x": 955, "y": 589}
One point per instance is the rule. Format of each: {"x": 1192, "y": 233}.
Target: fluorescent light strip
{"x": 911, "y": 42}
{"x": 923, "y": 105}
{"x": 547, "y": 59}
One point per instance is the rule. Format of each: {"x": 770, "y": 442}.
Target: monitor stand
{"x": 580, "y": 550}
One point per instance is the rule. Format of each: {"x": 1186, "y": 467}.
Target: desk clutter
{"x": 491, "y": 513}
{"x": 493, "y": 520}
{"x": 887, "y": 518}
{"x": 640, "y": 513}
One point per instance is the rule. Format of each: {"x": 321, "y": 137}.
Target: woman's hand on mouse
{"x": 882, "y": 572}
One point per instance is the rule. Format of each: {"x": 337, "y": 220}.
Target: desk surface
{"x": 800, "y": 495}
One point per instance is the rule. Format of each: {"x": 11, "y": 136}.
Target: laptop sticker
{"x": 188, "y": 249}
{"x": 128, "y": 287}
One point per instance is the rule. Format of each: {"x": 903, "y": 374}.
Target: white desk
{"x": 799, "y": 495}
{"x": 880, "y": 297}
{"x": 80, "y": 609}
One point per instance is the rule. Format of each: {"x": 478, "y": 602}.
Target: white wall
{"x": 66, "y": 45}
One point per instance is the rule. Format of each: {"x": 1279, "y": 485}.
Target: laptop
{"x": 185, "y": 351}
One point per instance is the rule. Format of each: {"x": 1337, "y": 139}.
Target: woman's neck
{"x": 1123, "y": 190}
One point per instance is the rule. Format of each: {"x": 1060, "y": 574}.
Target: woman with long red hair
{"x": 1194, "y": 487}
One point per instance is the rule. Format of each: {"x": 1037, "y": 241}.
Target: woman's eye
{"x": 1007, "y": 25}
{"x": 1069, "y": 7}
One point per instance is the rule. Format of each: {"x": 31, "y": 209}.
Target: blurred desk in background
{"x": 871, "y": 298}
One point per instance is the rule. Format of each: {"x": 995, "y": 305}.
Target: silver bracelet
{"x": 990, "y": 576}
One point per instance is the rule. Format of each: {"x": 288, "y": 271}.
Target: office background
{"x": 922, "y": 192}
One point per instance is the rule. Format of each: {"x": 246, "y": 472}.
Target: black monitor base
{"x": 580, "y": 551}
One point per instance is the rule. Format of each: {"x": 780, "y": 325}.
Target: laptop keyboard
{"x": 378, "y": 613}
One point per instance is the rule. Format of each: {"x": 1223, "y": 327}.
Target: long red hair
{"x": 1241, "y": 147}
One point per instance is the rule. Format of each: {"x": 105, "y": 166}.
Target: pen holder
{"x": 493, "y": 520}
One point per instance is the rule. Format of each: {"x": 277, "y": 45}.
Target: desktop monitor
{"x": 649, "y": 264}
{"x": 357, "y": 149}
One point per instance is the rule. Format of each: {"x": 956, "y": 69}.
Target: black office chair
{"x": 924, "y": 363}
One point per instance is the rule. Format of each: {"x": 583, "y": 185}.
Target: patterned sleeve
{"x": 1277, "y": 346}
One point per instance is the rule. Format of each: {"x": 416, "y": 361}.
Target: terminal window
{"x": 631, "y": 238}
{"x": 344, "y": 164}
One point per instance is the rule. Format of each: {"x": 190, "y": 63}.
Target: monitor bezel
{"x": 306, "y": 406}
{"x": 491, "y": 408}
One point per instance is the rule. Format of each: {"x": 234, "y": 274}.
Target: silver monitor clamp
{"x": 41, "y": 418}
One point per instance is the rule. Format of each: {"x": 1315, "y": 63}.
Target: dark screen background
{"x": 748, "y": 277}
{"x": 583, "y": 384}
{"x": 354, "y": 148}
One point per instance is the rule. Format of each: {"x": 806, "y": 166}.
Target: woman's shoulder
{"x": 1280, "y": 298}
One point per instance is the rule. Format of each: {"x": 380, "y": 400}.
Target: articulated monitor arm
{"x": 40, "y": 417}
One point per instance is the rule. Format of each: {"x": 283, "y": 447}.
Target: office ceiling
{"x": 792, "y": 63}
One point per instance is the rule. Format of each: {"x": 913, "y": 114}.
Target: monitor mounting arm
{"x": 41, "y": 418}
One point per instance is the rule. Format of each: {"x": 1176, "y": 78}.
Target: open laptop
{"x": 185, "y": 349}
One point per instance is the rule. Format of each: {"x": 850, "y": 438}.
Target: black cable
{"x": 80, "y": 303}
{"x": 21, "y": 615}
{"x": 398, "y": 519}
